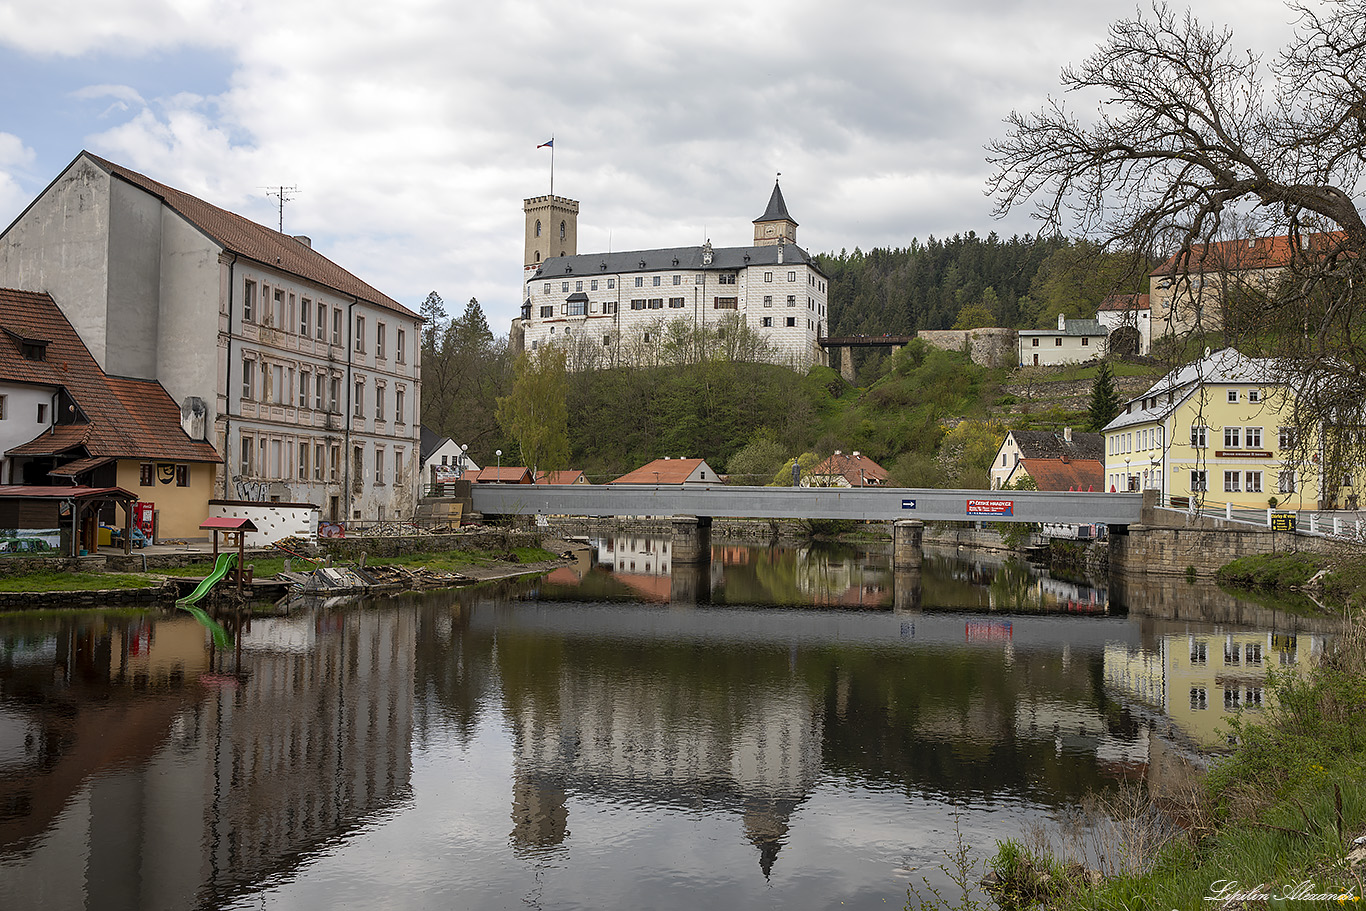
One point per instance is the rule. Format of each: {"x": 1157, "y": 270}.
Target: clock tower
{"x": 775, "y": 226}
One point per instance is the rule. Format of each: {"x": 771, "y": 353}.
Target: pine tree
{"x": 1104, "y": 400}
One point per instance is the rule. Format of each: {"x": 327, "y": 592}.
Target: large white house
{"x": 303, "y": 376}
{"x": 609, "y": 308}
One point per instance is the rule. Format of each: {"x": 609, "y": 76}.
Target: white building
{"x": 610, "y": 308}
{"x": 307, "y": 375}
{"x": 1128, "y": 320}
{"x": 1074, "y": 341}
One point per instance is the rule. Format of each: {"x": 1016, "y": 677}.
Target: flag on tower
{"x": 547, "y": 145}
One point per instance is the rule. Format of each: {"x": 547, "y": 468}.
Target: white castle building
{"x": 611, "y": 308}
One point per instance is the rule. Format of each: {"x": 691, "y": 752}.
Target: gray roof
{"x": 1226, "y": 366}
{"x": 428, "y": 442}
{"x": 1074, "y": 327}
{"x": 777, "y": 208}
{"x": 1049, "y": 444}
{"x": 685, "y": 259}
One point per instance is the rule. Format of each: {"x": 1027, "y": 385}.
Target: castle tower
{"x": 775, "y": 226}
{"x": 552, "y": 229}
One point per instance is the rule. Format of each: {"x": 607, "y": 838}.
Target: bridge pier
{"x": 691, "y": 539}
{"x": 847, "y": 365}
{"x": 689, "y": 583}
{"x": 907, "y": 591}
{"x": 907, "y": 553}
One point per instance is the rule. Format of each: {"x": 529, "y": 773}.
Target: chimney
{"x": 305, "y": 240}
{"x": 1067, "y": 434}
{"x": 780, "y": 253}
{"x": 1062, "y": 322}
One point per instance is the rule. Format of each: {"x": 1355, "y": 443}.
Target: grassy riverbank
{"x": 1279, "y": 814}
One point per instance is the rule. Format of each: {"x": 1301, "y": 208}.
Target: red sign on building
{"x": 991, "y": 507}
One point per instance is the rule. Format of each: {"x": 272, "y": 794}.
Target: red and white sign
{"x": 991, "y": 507}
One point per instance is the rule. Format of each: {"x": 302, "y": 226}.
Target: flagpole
{"x": 552, "y": 165}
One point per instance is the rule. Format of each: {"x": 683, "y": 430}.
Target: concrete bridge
{"x": 693, "y": 508}
{"x": 844, "y": 343}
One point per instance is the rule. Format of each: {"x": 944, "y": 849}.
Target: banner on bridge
{"x": 991, "y": 507}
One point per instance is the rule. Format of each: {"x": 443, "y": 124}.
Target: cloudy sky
{"x": 410, "y": 127}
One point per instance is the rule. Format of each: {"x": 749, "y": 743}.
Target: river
{"x": 786, "y": 728}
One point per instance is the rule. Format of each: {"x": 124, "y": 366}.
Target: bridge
{"x": 693, "y": 508}
{"x": 847, "y": 342}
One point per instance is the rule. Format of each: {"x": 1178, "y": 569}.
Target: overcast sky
{"x": 410, "y": 127}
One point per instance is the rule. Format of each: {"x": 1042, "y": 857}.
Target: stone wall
{"x": 1146, "y": 550}
{"x": 489, "y": 539}
{"x": 117, "y": 597}
{"x": 987, "y": 347}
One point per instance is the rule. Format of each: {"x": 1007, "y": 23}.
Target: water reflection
{"x": 793, "y": 734}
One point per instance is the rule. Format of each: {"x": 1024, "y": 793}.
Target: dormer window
{"x": 31, "y": 349}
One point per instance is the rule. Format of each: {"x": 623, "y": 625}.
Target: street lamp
{"x": 463, "y": 449}
{"x": 1128, "y": 483}
{"x": 499, "y": 453}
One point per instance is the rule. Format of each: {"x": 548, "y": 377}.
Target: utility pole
{"x": 284, "y": 194}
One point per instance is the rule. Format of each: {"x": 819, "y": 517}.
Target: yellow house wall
{"x": 180, "y": 510}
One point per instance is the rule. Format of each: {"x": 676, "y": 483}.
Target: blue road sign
{"x": 908, "y": 504}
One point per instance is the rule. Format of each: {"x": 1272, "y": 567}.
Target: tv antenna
{"x": 284, "y": 194}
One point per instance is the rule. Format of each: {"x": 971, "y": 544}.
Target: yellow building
{"x": 1218, "y": 430}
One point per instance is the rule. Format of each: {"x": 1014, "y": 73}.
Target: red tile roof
{"x": 246, "y": 238}
{"x": 568, "y": 476}
{"x": 1125, "y": 302}
{"x": 115, "y": 417}
{"x": 858, "y": 470}
{"x": 506, "y": 475}
{"x": 1070, "y": 474}
{"x": 664, "y": 471}
{"x": 1248, "y": 254}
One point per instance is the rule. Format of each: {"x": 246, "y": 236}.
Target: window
{"x": 359, "y": 399}
{"x": 593, "y": 285}
{"x": 1231, "y": 479}
{"x": 1231, "y": 698}
{"x": 725, "y": 303}
{"x": 791, "y": 322}
{"x": 318, "y": 392}
{"x": 1198, "y": 436}
{"x": 1199, "y": 481}
{"x": 607, "y": 340}
{"x": 289, "y": 314}
{"x": 561, "y": 230}
{"x": 578, "y": 286}
{"x": 1085, "y": 341}
{"x": 1033, "y": 343}
{"x": 277, "y": 387}
{"x": 609, "y": 307}
{"x": 304, "y": 383}
{"x": 275, "y": 316}
{"x": 42, "y": 412}
{"x": 655, "y": 303}
{"x": 145, "y": 474}
{"x": 768, "y": 322}
{"x": 1285, "y": 482}
{"x": 303, "y": 461}
{"x": 400, "y": 395}
{"x": 2, "y": 407}
{"x": 768, "y": 276}
{"x": 360, "y": 333}
{"x": 1199, "y": 653}
{"x": 247, "y": 447}
{"x": 638, "y": 305}
{"x": 1252, "y": 653}
{"x": 334, "y": 395}
{"x": 317, "y": 461}
{"x": 1057, "y": 342}
{"x": 640, "y": 281}
{"x": 401, "y": 350}
{"x": 1252, "y": 481}
{"x": 1285, "y": 438}
{"x": 1199, "y": 699}
{"x": 248, "y": 302}
{"x": 548, "y": 311}
{"x": 379, "y": 340}
{"x": 611, "y": 283}
{"x": 1254, "y": 395}
{"x": 1231, "y": 437}
{"x": 575, "y": 308}
{"x": 1253, "y": 436}
{"x": 547, "y": 287}
{"x": 305, "y": 314}
{"x": 379, "y": 466}
{"x": 768, "y": 300}
{"x": 657, "y": 280}
{"x": 334, "y": 462}
{"x": 320, "y": 327}
{"x": 792, "y": 300}
{"x": 675, "y": 303}
{"x": 398, "y": 466}
{"x": 248, "y": 378}
{"x": 336, "y": 326}
{"x": 379, "y": 402}
{"x": 792, "y": 276}
{"x": 564, "y": 287}
{"x": 538, "y": 227}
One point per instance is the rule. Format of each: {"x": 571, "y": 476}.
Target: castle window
{"x": 792, "y": 276}
{"x": 611, "y": 283}
{"x": 768, "y": 300}
{"x": 547, "y": 311}
{"x": 657, "y": 280}
{"x": 538, "y": 227}
{"x": 640, "y": 281}
{"x": 791, "y": 322}
{"x": 593, "y": 285}
{"x": 561, "y": 231}
{"x": 768, "y": 322}
{"x": 768, "y": 276}
{"x": 678, "y": 279}
{"x": 792, "y": 300}
{"x": 675, "y": 303}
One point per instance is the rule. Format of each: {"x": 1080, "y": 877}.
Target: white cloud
{"x": 410, "y": 128}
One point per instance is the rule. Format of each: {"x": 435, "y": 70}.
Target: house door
{"x": 1036, "y": 359}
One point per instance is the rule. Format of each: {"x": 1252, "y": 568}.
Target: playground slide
{"x": 221, "y": 638}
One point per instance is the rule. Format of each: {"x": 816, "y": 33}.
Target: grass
{"x": 73, "y": 582}
{"x": 1077, "y": 372}
{"x": 1281, "y": 572}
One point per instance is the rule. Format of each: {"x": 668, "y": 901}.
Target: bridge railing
{"x": 1348, "y": 524}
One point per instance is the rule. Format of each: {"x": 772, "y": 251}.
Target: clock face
{"x": 769, "y": 230}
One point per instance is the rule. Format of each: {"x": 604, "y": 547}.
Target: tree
{"x": 534, "y": 413}
{"x": 1104, "y": 400}
{"x": 1191, "y": 136}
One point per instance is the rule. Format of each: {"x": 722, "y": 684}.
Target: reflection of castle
{"x": 229, "y": 779}
{"x": 1201, "y": 678}
{"x": 675, "y": 743}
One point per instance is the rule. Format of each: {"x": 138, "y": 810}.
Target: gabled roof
{"x": 508, "y": 474}
{"x": 777, "y": 208}
{"x": 429, "y": 442}
{"x": 1050, "y": 444}
{"x": 568, "y": 476}
{"x": 246, "y": 238}
{"x": 1248, "y": 254}
{"x": 1122, "y": 302}
{"x": 665, "y": 471}
{"x": 1073, "y": 327}
{"x": 857, "y": 469}
{"x": 1227, "y": 365}
{"x": 684, "y": 259}
{"x": 116, "y": 417}
{"x": 1056, "y": 474}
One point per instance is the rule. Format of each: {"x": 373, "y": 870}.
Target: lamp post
{"x": 499, "y": 453}
{"x": 1127, "y": 481}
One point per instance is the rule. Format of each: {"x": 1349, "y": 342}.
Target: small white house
{"x": 1128, "y": 320}
{"x": 1074, "y": 341}
{"x": 447, "y": 463}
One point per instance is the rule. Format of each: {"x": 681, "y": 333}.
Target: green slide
{"x": 221, "y": 568}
